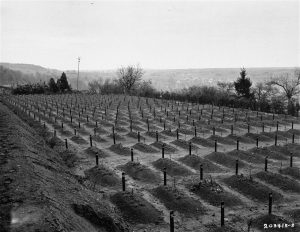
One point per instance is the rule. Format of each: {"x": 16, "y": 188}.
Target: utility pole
{"x": 78, "y": 72}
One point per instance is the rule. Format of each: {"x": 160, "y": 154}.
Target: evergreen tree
{"x": 242, "y": 84}
{"x": 52, "y": 86}
{"x": 62, "y": 83}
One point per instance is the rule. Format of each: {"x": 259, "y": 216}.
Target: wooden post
{"x": 291, "y": 159}
{"x": 201, "y": 172}
{"x": 97, "y": 160}
{"x": 236, "y": 167}
{"x": 156, "y": 136}
{"x": 139, "y": 137}
{"x": 190, "y": 148}
{"x": 270, "y": 203}
{"x": 131, "y": 151}
{"x": 163, "y": 151}
{"x": 66, "y": 142}
{"x": 177, "y": 134}
{"x": 165, "y": 176}
{"x": 266, "y": 164}
{"x": 171, "y": 221}
{"x": 216, "y": 145}
{"x": 91, "y": 141}
{"x": 237, "y": 144}
{"x": 123, "y": 181}
{"x": 257, "y": 142}
{"x": 222, "y": 214}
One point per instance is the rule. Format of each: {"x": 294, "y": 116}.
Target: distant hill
{"x": 167, "y": 79}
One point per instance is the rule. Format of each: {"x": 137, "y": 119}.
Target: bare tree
{"x": 228, "y": 87}
{"x": 129, "y": 76}
{"x": 263, "y": 91}
{"x": 289, "y": 85}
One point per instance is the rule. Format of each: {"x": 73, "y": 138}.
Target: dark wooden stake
{"x": 131, "y": 150}
{"x": 201, "y": 172}
{"x": 172, "y": 221}
{"x": 222, "y": 214}
{"x": 97, "y": 160}
{"x": 123, "y": 181}
{"x": 165, "y": 176}
{"x": 216, "y": 145}
{"x": 270, "y": 203}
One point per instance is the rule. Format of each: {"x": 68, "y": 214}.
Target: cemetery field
{"x": 124, "y": 163}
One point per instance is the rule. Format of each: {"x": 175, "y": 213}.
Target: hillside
{"x": 166, "y": 79}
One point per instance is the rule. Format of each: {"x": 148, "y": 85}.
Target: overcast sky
{"x": 155, "y": 34}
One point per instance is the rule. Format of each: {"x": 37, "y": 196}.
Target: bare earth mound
{"x": 223, "y": 140}
{"x": 79, "y": 140}
{"x": 168, "y": 149}
{"x": 247, "y": 156}
{"x": 279, "y": 181}
{"x": 224, "y": 159}
{"x": 119, "y": 149}
{"x": 172, "y": 168}
{"x": 93, "y": 151}
{"x": 203, "y": 142}
{"x": 100, "y": 175}
{"x": 140, "y": 172}
{"x": 213, "y": 193}
{"x": 144, "y": 148}
{"x": 173, "y": 199}
{"x": 195, "y": 162}
{"x": 265, "y": 151}
{"x": 291, "y": 171}
{"x": 135, "y": 209}
{"x": 252, "y": 189}
{"x": 184, "y": 144}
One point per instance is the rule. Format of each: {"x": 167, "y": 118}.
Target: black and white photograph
{"x": 149, "y": 116}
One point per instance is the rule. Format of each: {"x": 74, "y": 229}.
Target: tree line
{"x": 277, "y": 95}
{"x": 60, "y": 86}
